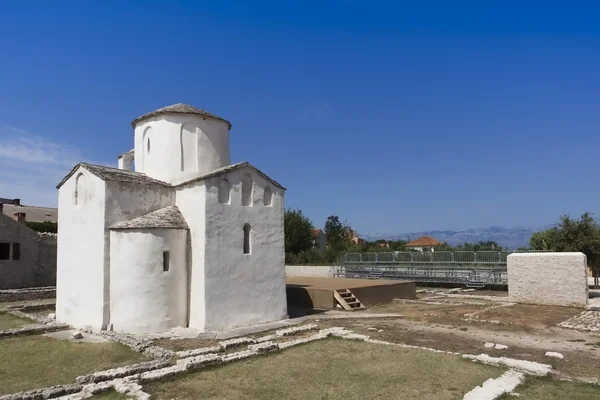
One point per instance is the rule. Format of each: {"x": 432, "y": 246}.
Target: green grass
{"x": 32, "y": 362}
{"x": 551, "y": 389}
{"x": 9, "y": 321}
{"x": 110, "y": 395}
{"x": 333, "y": 369}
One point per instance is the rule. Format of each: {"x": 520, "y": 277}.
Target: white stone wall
{"x": 244, "y": 289}
{"x": 191, "y": 201}
{"x": 557, "y": 279}
{"x": 309, "y": 270}
{"x": 144, "y": 297}
{"x": 182, "y": 146}
{"x": 80, "y": 295}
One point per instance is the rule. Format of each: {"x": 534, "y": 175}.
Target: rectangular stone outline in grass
{"x": 130, "y": 385}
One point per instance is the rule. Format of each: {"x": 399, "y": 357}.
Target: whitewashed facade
{"x": 187, "y": 239}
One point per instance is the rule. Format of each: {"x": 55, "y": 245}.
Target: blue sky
{"x": 396, "y": 117}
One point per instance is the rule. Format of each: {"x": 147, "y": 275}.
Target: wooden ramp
{"x": 348, "y": 300}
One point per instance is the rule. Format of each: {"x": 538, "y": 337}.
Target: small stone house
{"x": 177, "y": 236}
{"x": 27, "y": 259}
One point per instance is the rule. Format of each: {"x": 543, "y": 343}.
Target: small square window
{"x": 16, "y": 253}
{"x": 4, "y": 251}
{"x": 166, "y": 261}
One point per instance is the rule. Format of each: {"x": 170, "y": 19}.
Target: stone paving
{"x": 587, "y": 321}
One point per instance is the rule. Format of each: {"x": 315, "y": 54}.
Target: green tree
{"x": 46, "y": 226}
{"x": 298, "y": 231}
{"x": 337, "y": 233}
{"x": 582, "y": 234}
{"x": 444, "y": 246}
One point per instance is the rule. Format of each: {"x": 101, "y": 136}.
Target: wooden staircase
{"x": 348, "y": 300}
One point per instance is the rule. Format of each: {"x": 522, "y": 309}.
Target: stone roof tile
{"x": 178, "y": 108}
{"x": 229, "y": 168}
{"x": 115, "y": 174}
{"x": 165, "y": 218}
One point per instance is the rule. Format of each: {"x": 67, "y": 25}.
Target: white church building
{"x": 185, "y": 240}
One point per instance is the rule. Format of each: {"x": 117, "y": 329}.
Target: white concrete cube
{"x": 554, "y": 279}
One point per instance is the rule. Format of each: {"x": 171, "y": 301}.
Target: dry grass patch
{"x": 185, "y": 343}
{"x": 333, "y": 369}
{"x": 9, "y": 321}
{"x": 451, "y": 313}
{"x": 34, "y": 361}
{"x": 110, "y": 395}
{"x": 551, "y": 389}
{"x": 530, "y": 317}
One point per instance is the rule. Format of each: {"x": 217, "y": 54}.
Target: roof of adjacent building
{"x": 165, "y": 218}
{"x": 229, "y": 168}
{"x": 114, "y": 174}
{"x": 317, "y": 231}
{"x": 123, "y": 175}
{"x": 424, "y": 241}
{"x": 179, "y": 108}
{"x": 33, "y": 213}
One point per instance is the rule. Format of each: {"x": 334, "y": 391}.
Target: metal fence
{"x": 434, "y": 257}
{"x": 476, "y": 276}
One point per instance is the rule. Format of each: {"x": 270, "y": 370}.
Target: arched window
{"x": 267, "y": 197}
{"x": 224, "y": 190}
{"x": 79, "y": 189}
{"x": 145, "y": 148}
{"x": 247, "y": 191}
{"x": 247, "y": 232}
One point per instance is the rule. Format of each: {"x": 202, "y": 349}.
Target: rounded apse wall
{"x": 148, "y": 280}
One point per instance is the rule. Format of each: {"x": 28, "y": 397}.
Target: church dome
{"x": 179, "y": 108}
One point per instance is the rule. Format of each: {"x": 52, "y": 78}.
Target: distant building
{"x": 320, "y": 241}
{"x": 424, "y": 243}
{"x": 355, "y": 239}
{"x": 27, "y": 258}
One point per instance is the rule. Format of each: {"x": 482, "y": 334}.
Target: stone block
{"x": 77, "y": 335}
{"x": 554, "y": 279}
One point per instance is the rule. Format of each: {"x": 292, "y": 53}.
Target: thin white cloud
{"x": 31, "y": 166}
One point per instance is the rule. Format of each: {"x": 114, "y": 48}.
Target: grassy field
{"x": 333, "y": 369}
{"x": 8, "y": 321}
{"x": 551, "y": 389}
{"x": 34, "y": 361}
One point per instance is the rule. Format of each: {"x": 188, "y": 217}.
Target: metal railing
{"x": 477, "y": 276}
{"x": 434, "y": 257}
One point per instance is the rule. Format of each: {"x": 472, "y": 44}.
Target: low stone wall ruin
{"x": 34, "y": 293}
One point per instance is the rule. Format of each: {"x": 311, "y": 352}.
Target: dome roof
{"x": 179, "y": 108}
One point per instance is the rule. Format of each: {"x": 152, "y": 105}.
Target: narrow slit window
{"x": 4, "y": 251}
{"x": 247, "y": 191}
{"x": 166, "y": 261}
{"x": 224, "y": 190}
{"x": 268, "y": 197}
{"x": 247, "y": 232}
{"x": 16, "y": 251}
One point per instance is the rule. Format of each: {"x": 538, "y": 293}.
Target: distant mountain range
{"x": 512, "y": 238}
